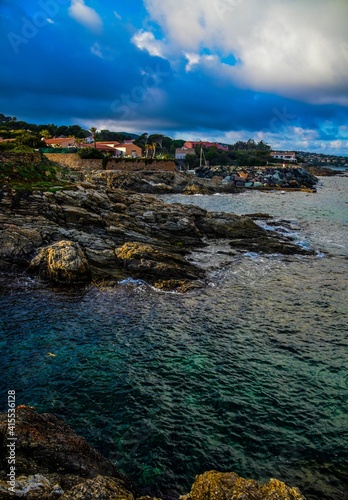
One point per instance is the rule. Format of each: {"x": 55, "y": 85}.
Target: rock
{"x": 214, "y": 485}
{"x": 143, "y": 259}
{"x": 73, "y": 236}
{"x": 100, "y": 488}
{"x": 17, "y": 243}
{"x": 47, "y": 446}
{"x": 54, "y": 462}
{"x": 36, "y": 486}
{"x": 62, "y": 262}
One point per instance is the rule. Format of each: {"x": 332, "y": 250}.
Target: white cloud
{"x": 145, "y": 40}
{"x": 50, "y": 21}
{"x": 117, "y": 15}
{"x": 85, "y": 15}
{"x": 193, "y": 59}
{"x": 295, "y": 48}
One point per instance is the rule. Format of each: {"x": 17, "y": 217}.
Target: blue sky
{"x": 222, "y": 70}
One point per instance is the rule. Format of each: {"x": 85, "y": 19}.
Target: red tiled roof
{"x": 101, "y": 147}
{"x": 59, "y": 140}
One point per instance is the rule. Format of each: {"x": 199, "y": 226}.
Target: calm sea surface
{"x": 249, "y": 374}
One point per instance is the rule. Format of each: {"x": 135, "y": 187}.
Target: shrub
{"x": 90, "y": 153}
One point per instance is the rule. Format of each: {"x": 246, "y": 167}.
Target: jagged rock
{"x": 215, "y": 485}
{"x": 47, "y": 446}
{"x": 62, "y": 262}
{"x": 146, "y": 259}
{"x": 99, "y": 488}
{"x": 75, "y": 235}
{"x": 17, "y": 243}
{"x": 36, "y": 486}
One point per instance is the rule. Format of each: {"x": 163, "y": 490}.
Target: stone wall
{"x": 73, "y": 161}
{"x": 18, "y": 158}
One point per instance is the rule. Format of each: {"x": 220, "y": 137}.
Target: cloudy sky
{"x": 222, "y": 70}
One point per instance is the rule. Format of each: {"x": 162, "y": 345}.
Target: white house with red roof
{"x": 284, "y": 155}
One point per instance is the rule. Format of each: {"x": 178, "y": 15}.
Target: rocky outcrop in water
{"x": 215, "y": 485}
{"x": 85, "y": 234}
{"x": 153, "y": 182}
{"x": 260, "y": 177}
{"x": 52, "y": 461}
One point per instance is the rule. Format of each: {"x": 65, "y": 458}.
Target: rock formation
{"x": 84, "y": 234}
{"x": 215, "y": 485}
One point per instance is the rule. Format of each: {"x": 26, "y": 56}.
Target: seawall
{"x": 73, "y": 161}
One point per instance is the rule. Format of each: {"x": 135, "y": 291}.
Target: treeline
{"x": 248, "y": 153}
{"x": 27, "y": 136}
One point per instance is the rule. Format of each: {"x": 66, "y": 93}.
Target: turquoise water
{"x": 249, "y": 374}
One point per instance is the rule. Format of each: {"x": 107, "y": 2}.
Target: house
{"x": 180, "y": 153}
{"x": 284, "y": 155}
{"x": 129, "y": 149}
{"x": 101, "y": 147}
{"x": 61, "y": 142}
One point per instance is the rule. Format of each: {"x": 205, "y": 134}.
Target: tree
{"x": 29, "y": 139}
{"x": 93, "y": 131}
{"x": 154, "y": 146}
{"x": 46, "y": 134}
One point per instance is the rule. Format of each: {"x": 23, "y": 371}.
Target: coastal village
{"x": 247, "y": 164}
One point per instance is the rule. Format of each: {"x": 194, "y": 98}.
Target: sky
{"x": 214, "y": 70}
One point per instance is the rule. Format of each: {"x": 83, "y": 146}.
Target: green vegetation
{"x": 28, "y": 175}
{"x": 90, "y": 153}
{"x": 241, "y": 153}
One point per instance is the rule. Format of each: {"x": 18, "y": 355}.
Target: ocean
{"x": 248, "y": 374}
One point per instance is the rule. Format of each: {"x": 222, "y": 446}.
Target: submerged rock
{"x": 215, "y": 485}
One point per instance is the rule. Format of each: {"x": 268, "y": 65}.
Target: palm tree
{"x": 45, "y": 134}
{"x": 93, "y": 131}
{"x": 153, "y": 147}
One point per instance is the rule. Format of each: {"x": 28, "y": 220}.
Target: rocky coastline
{"x": 52, "y": 461}
{"x": 101, "y": 235}
{"x": 270, "y": 177}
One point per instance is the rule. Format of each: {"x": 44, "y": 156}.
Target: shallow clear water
{"x": 249, "y": 374}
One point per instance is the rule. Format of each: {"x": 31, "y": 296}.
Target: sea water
{"x": 248, "y": 374}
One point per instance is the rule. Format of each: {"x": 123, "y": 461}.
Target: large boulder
{"x": 62, "y": 262}
{"x": 215, "y": 485}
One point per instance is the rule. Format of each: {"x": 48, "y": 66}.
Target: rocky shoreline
{"x": 96, "y": 234}
{"x": 52, "y": 461}
{"x": 270, "y": 177}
